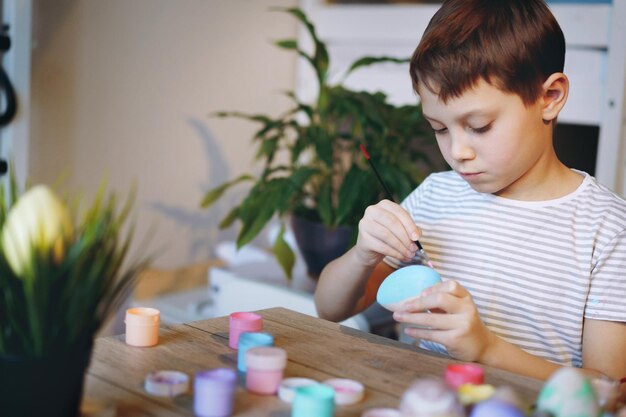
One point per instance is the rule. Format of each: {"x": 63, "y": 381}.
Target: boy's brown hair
{"x": 514, "y": 45}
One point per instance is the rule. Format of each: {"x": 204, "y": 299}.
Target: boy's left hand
{"x": 453, "y": 322}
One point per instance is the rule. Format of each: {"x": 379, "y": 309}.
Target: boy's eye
{"x": 482, "y": 129}
{"x": 440, "y": 131}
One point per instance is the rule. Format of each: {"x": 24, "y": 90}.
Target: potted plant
{"x": 60, "y": 279}
{"x": 324, "y": 178}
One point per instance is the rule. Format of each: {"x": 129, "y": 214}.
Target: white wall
{"x": 123, "y": 88}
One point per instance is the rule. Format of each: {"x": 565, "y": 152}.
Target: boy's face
{"x": 491, "y": 139}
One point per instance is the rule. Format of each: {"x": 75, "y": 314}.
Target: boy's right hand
{"x": 386, "y": 229}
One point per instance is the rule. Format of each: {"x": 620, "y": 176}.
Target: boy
{"x": 532, "y": 253}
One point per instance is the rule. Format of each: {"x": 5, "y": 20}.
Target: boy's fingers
{"x": 389, "y": 246}
{"x": 412, "y": 231}
{"x": 432, "y": 321}
{"x": 438, "y": 336}
{"x": 451, "y": 287}
{"x": 439, "y": 300}
{"x": 392, "y": 229}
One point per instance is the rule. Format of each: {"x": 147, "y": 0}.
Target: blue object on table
{"x": 249, "y": 340}
{"x": 316, "y": 400}
{"x": 406, "y": 283}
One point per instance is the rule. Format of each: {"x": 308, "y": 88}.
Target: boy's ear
{"x": 555, "y": 91}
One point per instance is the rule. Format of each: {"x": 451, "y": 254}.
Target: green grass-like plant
{"x": 57, "y": 305}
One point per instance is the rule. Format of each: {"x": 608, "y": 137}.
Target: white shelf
{"x": 229, "y": 292}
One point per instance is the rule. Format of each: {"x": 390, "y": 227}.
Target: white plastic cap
{"x": 347, "y": 391}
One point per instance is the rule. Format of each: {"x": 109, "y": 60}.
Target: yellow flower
{"x": 39, "y": 221}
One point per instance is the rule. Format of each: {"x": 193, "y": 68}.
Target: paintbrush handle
{"x": 421, "y": 250}
{"x": 387, "y": 192}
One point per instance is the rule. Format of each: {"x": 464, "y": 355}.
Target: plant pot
{"x": 318, "y": 244}
{"x": 51, "y": 386}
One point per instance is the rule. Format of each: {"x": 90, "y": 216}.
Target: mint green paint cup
{"x": 316, "y": 400}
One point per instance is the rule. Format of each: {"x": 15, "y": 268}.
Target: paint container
{"x": 248, "y": 341}
{"x": 214, "y": 392}
{"x": 313, "y": 401}
{"x": 166, "y": 383}
{"x": 429, "y": 397}
{"x": 381, "y": 412}
{"x": 288, "y": 386}
{"x": 142, "y": 326}
{"x": 470, "y": 394}
{"x": 464, "y": 373}
{"x": 347, "y": 391}
{"x": 607, "y": 392}
{"x": 265, "y": 367}
{"x": 240, "y": 322}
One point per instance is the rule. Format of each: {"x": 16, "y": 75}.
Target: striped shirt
{"x": 535, "y": 269}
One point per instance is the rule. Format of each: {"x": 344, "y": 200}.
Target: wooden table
{"x": 316, "y": 348}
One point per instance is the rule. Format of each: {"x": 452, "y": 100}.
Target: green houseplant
{"x": 324, "y": 177}
{"x": 60, "y": 279}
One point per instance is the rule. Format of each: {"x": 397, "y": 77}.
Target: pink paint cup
{"x": 264, "y": 369}
{"x": 240, "y": 322}
{"x": 142, "y": 326}
{"x": 464, "y": 373}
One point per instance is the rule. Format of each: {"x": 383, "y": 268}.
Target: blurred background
{"x": 124, "y": 90}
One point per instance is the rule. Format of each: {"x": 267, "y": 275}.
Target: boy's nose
{"x": 460, "y": 149}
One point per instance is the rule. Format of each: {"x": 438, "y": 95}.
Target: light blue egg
{"x": 405, "y": 283}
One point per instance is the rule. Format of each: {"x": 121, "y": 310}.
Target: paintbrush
{"x": 422, "y": 253}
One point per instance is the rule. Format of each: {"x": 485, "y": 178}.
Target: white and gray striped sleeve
{"x": 607, "y": 293}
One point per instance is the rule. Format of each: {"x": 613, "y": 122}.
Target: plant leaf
{"x": 229, "y": 219}
{"x": 259, "y": 207}
{"x": 300, "y": 176}
{"x": 261, "y": 118}
{"x": 307, "y": 109}
{"x": 287, "y": 44}
{"x": 353, "y": 189}
{"x": 320, "y": 60}
{"x": 324, "y": 202}
{"x": 323, "y": 144}
{"x": 369, "y": 60}
{"x": 285, "y": 256}
{"x": 268, "y": 149}
{"x": 214, "y": 194}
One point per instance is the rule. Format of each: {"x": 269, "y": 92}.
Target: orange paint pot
{"x": 142, "y": 326}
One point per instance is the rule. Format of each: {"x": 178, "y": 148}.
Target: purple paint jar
{"x": 214, "y": 392}
{"x": 265, "y": 366}
{"x": 240, "y": 322}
